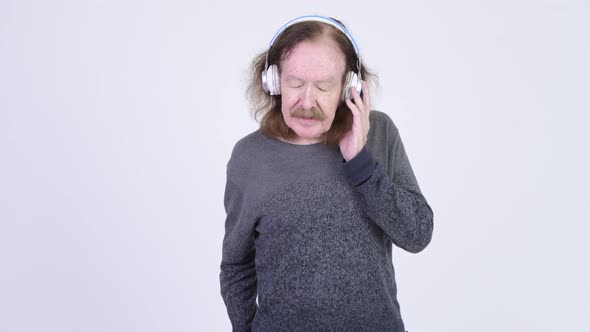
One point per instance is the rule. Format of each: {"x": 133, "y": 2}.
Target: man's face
{"x": 311, "y": 87}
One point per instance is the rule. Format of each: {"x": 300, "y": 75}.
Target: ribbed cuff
{"x": 360, "y": 168}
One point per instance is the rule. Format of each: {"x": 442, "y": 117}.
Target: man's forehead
{"x": 318, "y": 70}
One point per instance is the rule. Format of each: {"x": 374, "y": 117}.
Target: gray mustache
{"x": 312, "y": 113}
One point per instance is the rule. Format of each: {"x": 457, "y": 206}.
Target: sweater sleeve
{"x": 238, "y": 272}
{"x": 394, "y": 202}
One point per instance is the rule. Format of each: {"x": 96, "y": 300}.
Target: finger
{"x": 358, "y": 101}
{"x": 356, "y": 113}
{"x": 359, "y": 120}
{"x": 353, "y": 107}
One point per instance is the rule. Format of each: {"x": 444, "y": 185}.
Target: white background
{"x": 117, "y": 119}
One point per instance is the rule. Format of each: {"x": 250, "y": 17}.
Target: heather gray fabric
{"x": 311, "y": 235}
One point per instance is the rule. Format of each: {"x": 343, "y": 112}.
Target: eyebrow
{"x": 330, "y": 80}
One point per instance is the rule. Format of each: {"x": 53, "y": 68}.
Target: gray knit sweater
{"x": 308, "y": 237}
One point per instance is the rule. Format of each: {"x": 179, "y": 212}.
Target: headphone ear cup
{"x": 273, "y": 82}
{"x": 351, "y": 80}
{"x": 264, "y": 80}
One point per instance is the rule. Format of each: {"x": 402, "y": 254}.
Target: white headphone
{"x": 271, "y": 82}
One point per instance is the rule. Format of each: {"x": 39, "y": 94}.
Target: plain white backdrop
{"x": 117, "y": 119}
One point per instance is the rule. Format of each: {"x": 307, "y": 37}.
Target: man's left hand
{"x": 354, "y": 140}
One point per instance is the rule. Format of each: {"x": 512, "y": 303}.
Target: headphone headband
{"x": 316, "y": 18}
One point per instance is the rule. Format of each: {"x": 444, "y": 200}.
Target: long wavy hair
{"x": 267, "y": 109}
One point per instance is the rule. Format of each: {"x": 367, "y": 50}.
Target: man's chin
{"x": 307, "y": 135}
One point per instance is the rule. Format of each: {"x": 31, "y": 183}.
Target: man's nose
{"x": 308, "y": 100}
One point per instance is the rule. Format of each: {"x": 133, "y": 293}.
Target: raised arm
{"x": 383, "y": 178}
